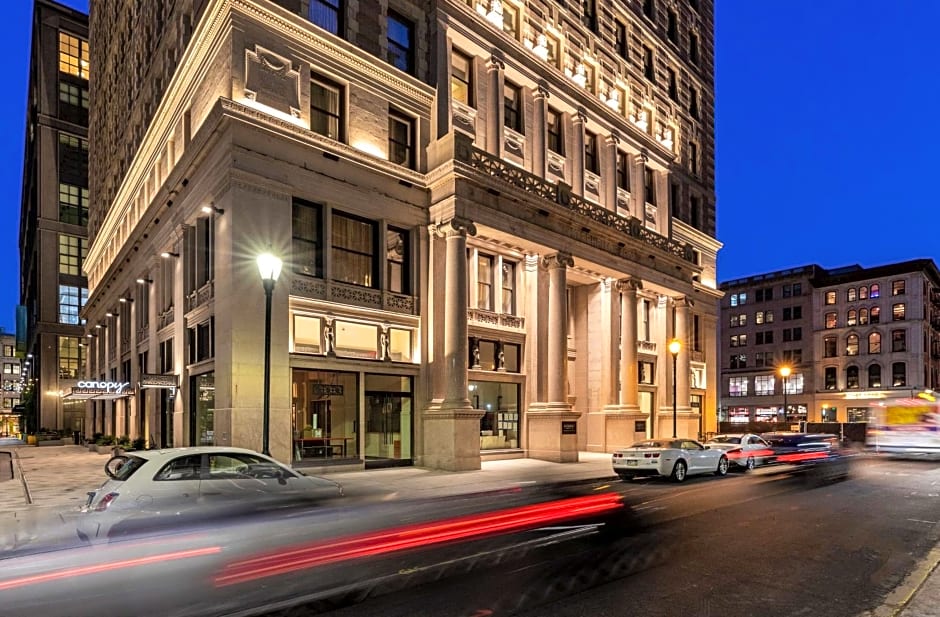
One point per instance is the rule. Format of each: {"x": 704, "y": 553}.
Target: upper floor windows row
{"x": 400, "y": 31}
{"x": 864, "y": 316}
{"x": 864, "y": 292}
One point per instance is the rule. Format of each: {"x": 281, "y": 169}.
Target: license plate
{"x": 632, "y": 463}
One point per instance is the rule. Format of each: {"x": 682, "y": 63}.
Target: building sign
{"x": 101, "y": 390}
{"x": 166, "y": 382}
{"x": 569, "y": 428}
{"x": 326, "y": 389}
{"x": 639, "y": 426}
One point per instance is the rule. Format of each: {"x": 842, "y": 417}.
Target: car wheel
{"x": 722, "y": 466}
{"x": 679, "y": 471}
{"x": 749, "y": 464}
{"x": 626, "y": 477}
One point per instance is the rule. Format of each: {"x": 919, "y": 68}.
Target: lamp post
{"x": 785, "y": 373}
{"x": 270, "y": 267}
{"x": 674, "y": 347}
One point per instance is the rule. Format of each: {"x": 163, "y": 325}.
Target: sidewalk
{"x": 54, "y": 479}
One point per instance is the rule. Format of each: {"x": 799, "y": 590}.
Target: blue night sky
{"x": 825, "y": 128}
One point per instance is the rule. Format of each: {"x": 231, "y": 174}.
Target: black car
{"x": 818, "y": 457}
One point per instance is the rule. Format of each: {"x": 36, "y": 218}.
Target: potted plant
{"x": 105, "y": 444}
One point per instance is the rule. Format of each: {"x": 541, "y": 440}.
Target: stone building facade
{"x": 866, "y": 335}
{"x": 54, "y": 211}
{"x": 492, "y": 220}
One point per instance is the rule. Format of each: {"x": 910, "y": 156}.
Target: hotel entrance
{"x": 388, "y": 422}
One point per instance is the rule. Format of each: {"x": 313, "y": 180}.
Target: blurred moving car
{"x": 154, "y": 488}
{"x": 674, "y": 458}
{"x": 818, "y": 457}
{"x": 744, "y": 450}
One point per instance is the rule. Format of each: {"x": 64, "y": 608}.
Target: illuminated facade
{"x": 853, "y": 336}
{"x": 54, "y": 211}
{"x": 12, "y": 383}
{"x": 475, "y": 205}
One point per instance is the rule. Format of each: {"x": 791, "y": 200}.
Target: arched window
{"x": 875, "y": 314}
{"x": 851, "y": 377}
{"x": 874, "y": 342}
{"x": 852, "y": 318}
{"x": 863, "y": 293}
{"x": 862, "y": 316}
{"x": 850, "y": 294}
{"x": 874, "y": 376}
{"x": 851, "y": 345}
{"x": 875, "y": 291}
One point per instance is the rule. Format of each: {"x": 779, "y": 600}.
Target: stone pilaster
{"x": 552, "y": 425}
{"x": 539, "y": 128}
{"x": 609, "y": 172}
{"x": 494, "y": 105}
{"x": 452, "y": 426}
{"x": 578, "y": 122}
{"x": 684, "y": 367}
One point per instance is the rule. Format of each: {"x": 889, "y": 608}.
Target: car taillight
{"x": 106, "y": 501}
{"x": 651, "y": 455}
{"x": 618, "y": 455}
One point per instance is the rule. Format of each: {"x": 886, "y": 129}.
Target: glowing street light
{"x": 674, "y": 347}
{"x": 270, "y": 268}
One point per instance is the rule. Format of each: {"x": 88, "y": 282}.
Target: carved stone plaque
{"x": 270, "y": 80}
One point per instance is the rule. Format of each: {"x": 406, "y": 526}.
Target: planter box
{"x": 103, "y": 449}
{"x": 50, "y": 442}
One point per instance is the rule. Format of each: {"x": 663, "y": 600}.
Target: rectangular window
{"x": 648, "y": 70}
{"x": 672, "y": 26}
{"x": 830, "y": 297}
{"x": 72, "y": 251}
{"x": 461, "y": 78}
{"x": 401, "y": 131}
{"x": 737, "y": 386}
{"x": 73, "y": 160}
{"x": 401, "y": 36}
{"x": 326, "y": 108}
{"x": 352, "y": 250}
{"x": 591, "y": 162}
{"x": 829, "y": 347}
{"x": 897, "y": 312}
{"x": 693, "y": 48}
{"x": 71, "y": 301}
{"x": 589, "y": 14}
{"x": 897, "y": 288}
{"x": 646, "y": 372}
{"x": 649, "y": 9}
{"x": 509, "y": 287}
{"x": 512, "y": 107}
{"x": 554, "y": 132}
{"x": 739, "y": 360}
{"x": 73, "y": 204}
{"x": 356, "y": 340}
{"x": 485, "y": 266}
{"x": 623, "y": 170}
{"x": 898, "y": 340}
{"x": 620, "y": 36}
{"x": 829, "y": 378}
{"x": 693, "y": 157}
{"x": 307, "y": 240}
{"x": 397, "y": 260}
{"x": 673, "y": 84}
{"x": 70, "y": 357}
{"x": 328, "y": 14}
{"x": 649, "y": 186}
{"x": 307, "y": 334}
{"x": 73, "y": 55}
{"x": 166, "y": 356}
{"x": 831, "y": 320}
{"x": 73, "y": 102}
{"x": 399, "y": 344}
{"x": 693, "y": 102}
{"x": 898, "y": 374}
{"x": 763, "y": 385}
{"x": 510, "y": 20}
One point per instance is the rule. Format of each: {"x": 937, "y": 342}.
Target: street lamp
{"x": 785, "y": 373}
{"x": 270, "y": 267}
{"x": 674, "y": 347}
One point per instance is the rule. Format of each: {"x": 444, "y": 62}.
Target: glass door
{"x": 388, "y": 419}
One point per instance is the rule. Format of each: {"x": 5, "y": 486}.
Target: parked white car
{"x": 674, "y": 458}
{"x": 745, "y": 450}
{"x": 152, "y": 489}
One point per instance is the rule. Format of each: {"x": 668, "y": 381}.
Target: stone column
{"x": 578, "y": 121}
{"x": 552, "y": 425}
{"x": 609, "y": 172}
{"x": 451, "y": 425}
{"x": 683, "y": 365}
{"x": 494, "y": 105}
{"x": 539, "y": 128}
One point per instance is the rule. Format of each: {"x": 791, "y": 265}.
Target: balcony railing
{"x": 646, "y": 346}
{"x": 490, "y": 318}
{"x": 561, "y": 194}
{"x": 200, "y": 296}
{"x": 332, "y": 291}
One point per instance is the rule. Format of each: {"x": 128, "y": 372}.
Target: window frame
{"x": 338, "y": 116}
{"x": 407, "y": 50}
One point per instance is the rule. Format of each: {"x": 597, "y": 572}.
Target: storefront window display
{"x": 388, "y": 420}
{"x": 499, "y": 426}
{"x": 203, "y": 409}
{"x": 325, "y": 415}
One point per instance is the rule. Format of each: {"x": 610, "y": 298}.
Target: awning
{"x": 97, "y": 396}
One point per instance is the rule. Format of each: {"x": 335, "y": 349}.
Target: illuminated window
{"x": 356, "y": 340}
{"x": 399, "y": 344}
{"x": 646, "y": 372}
{"x": 897, "y": 312}
{"x": 328, "y": 14}
{"x": 875, "y": 291}
{"x": 72, "y": 251}
{"x": 863, "y": 316}
{"x": 764, "y": 385}
{"x": 485, "y": 267}
{"x": 307, "y": 334}
{"x": 851, "y": 377}
{"x": 512, "y": 107}
{"x": 73, "y": 55}
{"x": 71, "y": 301}
{"x": 874, "y": 343}
{"x": 830, "y": 297}
{"x": 829, "y": 378}
{"x": 737, "y": 386}
{"x": 851, "y": 318}
{"x": 555, "y": 132}
{"x": 863, "y": 293}
{"x": 851, "y": 345}
{"x": 510, "y": 20}
{"x": 353, "y": 250}
{"x": 398, "y": 266}
{"x": 461, "y": 78}
{"x": 70, "y": 357}
{"x": 307, "y": 241}
{"x": 509, "y": 287}
{"x": 326, "y": 108}
{"x": 831, "y": 320}
{"x": 897, "y": 288}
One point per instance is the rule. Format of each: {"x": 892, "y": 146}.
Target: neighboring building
{"x": 13, "y": 380}
{"x": 855, "y": 336}
{"x": 475, "y": 205}
{"x": 54, "y": 210}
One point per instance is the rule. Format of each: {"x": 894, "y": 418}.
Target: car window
{"x": 725, "y": 439}
{"x": 229, "y": 465}
{"x": 653, "y": 443}
{"x": 754, "y": 439}
{"x": 126, "y": 469}
{"x": 691, "y": 445}
{"x": 181, "y": 468}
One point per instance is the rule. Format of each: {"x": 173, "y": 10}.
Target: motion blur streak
{"x": 750, "y": 453}
{"x": 801, "y": 456}
{"x": 106, "y": 567}
{"x": 402, "y": 538}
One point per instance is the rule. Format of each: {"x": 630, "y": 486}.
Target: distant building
{"x": 850, "y": 336}
{"x": 13, "y": 378}
{"x": 54, "y": 210}
{"x": 493, "y": 218}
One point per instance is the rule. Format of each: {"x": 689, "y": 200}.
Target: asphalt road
{"x": 737, "y": 546}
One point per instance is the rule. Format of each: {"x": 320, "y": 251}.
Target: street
{"x": 734, "y": 546}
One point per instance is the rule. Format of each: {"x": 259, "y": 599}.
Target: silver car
{"x": 675, "y": 458}
{"x": 745, "y": 450}
{"x": 153, "y": 489}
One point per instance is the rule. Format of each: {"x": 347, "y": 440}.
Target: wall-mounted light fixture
{"x": 143, "y": 281}
{"x": 209, "y": 209}
{"x": 109, "y": 314}
{"x": 125, "y": 300}
{"x": 168, "y": 254}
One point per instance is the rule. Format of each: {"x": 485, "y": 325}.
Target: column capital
{"x": 560, "y": 259}
{"x": 629, "y": 285}
{"x": 541, "y": 91}
{"x": 579, "y": 116}
{"x": 613, "y": 139}
{"x": 683, "y": 302}
{"x": 455, "y": 226}
{"x": 495, "y": 62}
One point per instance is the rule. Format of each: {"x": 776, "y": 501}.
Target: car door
{"x": 175, "y": 486}
{"x": 244, "y": 478}
{"x": 697, "y": 456}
